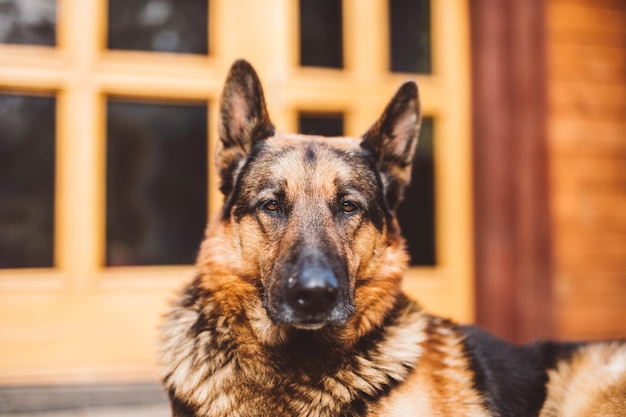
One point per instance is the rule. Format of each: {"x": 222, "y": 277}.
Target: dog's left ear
{"x": 392, "y": 140}
{"x": 243, "y": 121}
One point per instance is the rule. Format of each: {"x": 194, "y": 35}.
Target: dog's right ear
{"x": 243, "y": 120}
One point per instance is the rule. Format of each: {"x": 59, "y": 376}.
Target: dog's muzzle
{"x": 312, "y": 294}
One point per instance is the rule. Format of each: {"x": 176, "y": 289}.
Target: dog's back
{"x": 296, "y": 307}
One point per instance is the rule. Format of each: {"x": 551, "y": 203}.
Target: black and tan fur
{"x": 296, "y": 307}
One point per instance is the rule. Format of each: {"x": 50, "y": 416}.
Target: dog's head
{"x": 312, "y": 218}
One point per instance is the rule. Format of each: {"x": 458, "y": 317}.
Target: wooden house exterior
{"x": 525, "y": 155}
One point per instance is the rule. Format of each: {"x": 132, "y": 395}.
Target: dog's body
{"x": 296, "y": 309}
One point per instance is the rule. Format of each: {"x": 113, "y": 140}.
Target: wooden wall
{"x": 587, "y": 147}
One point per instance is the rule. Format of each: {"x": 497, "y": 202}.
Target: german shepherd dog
{"x": 296, "y": 307}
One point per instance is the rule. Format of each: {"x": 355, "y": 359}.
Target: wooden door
{"x": 110, "y": 87}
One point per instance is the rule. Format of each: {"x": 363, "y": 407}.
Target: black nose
{"x": 313, "y": 291}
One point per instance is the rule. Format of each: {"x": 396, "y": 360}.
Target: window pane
{"x": 417, "y": 213}
{"x": 321, "y": 33}
{"x": 27, "y": 156}
{"x": 409, "y": 23}
{"x": 156, "y": 191}
{"x": 325, "y": 124}
{"x": 159, "y": 25}
{"x": 30, "y": 22}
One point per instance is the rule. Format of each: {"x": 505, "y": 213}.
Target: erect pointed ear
{"x": 243, "y": 121}
{"x": 392, "y": 141}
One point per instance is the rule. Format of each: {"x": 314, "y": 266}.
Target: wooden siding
{"x": 587, "y": 140}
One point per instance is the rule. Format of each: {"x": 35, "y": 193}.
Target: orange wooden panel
{"x": 586, "y": 17}
{"x": 600, "y": 4}
{"x": 611, "y": 37}
{"x": 588, "y": 282}
{"x": 567, "y": 64}
{"x": 611, "y": 299}
{"x": 589, "y": 109}
{"x": 577, "y": 136}
{"x": 574, "y": 173}
{"x": 583, "y": 93}
{"x": 600, "y": 251}
{"x": 584, "y": 101}
{"x": 580, "y": 54}
{"x": 575, "y": 322}
{"x": 587, "y": 211}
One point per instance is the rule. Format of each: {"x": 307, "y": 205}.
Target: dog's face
{"x": 311, "y": 216}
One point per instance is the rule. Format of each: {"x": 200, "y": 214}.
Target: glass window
{"x": 27, "y": 153}
{"x": 28, "y": 22}
{"x": 417, "y": 213}
{"x": 410, "y": 40}
{"x": 159, "y": 25}
{"x": 156, "y": 182}
{"x": 325, "y": 124}
{"x": 321, "y": 33}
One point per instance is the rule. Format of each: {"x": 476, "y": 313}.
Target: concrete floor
{"x": 150, "y": 410}
{"x": 119, "y": 400}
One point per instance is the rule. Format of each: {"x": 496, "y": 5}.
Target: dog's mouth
{"x": 282, "y": 313}
{"x": 309, "y": 326}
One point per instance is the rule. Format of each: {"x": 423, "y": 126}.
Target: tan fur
{"x": 441, "y": 384}
{"x": 590, "y": 384}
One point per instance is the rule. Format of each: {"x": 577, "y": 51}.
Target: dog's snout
{"x": 314, "y": 291}
{"x": 310, "y": 291}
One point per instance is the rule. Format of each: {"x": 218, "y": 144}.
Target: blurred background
{"x": 515, "y": 220}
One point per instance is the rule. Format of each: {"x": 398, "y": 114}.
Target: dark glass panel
{"x": 417, "y": 213}
{"x": 156, "y": 191}
{"x": 325, "y": 124}
{"x": 409, "y": 25}
{"x": 28, "y": 22}
{"x": 27, "y": 126}
{"x": 321, "y": 33}
{"x": 159, "y": 25}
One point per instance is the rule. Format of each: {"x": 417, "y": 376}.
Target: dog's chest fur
{"x": 219, "y": 368}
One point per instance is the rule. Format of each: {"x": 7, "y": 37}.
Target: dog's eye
{"x": 271, "y": 206}
{"x": 349, "y": 207}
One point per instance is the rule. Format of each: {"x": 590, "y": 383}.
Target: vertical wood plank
{"x": 512, "y": 230}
